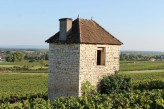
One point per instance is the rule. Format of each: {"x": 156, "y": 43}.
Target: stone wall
{"x": 89, "y": 70}
{"x": 72, "y": 64}
{"x": 63, "y": 77}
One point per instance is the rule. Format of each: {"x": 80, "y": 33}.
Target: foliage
{"x": 36, "y": 55}
{"x": 140, "y": 56}
{"x": 115, "y": 84}
{"x": 15, "y": 57}
{"x": 133, "y": 100}
{"x": 133, "y": 57}
{"x": 20, "y": 98}
{"x": 88, "y": 89}
{"x": 138, "y": 99}
{"x": 84, "y": 102}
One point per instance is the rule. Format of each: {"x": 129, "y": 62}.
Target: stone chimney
{"x": 65, "y": 28}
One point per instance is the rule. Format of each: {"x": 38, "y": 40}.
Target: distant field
{"x": 144, "y": 76}
{"x": 23, "y": 63}
{"x": 124, "y": 66}
{"x": 24, "y": 67}
{"x": 141, "y": 65}
{"x": 143, "y": 70}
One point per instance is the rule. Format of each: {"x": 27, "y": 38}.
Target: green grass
{"x": 22, "y": 84}
{"x": 3, "y": 65}
{"x": 141, "y": 65}
{"x": 38, "y": 67}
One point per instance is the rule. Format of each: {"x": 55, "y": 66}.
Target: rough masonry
{"x": 83, "y": 51}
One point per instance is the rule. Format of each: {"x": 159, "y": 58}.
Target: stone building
{"x": 81, "y": 50}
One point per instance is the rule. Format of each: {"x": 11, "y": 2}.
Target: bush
{"x": 131, "y": 100}
{"x": 88, "y": 89}
{"x": 115, "y": 84}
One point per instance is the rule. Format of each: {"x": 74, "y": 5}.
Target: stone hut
{"x": 82, "y": 50}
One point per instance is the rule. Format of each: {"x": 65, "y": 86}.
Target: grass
{"x": 38, "y": 67}
{"x": 8, "y": 66}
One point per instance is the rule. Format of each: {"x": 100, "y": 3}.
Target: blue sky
{"x": 139, "y": 24}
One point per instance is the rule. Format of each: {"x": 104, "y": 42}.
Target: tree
{"x": 9, "y": 58}
{"x": 15, "y": 57}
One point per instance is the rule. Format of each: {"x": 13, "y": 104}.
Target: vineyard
{"x": 22, "y": 84}
{"x": 144, "y": 89}
{"x": 29, "y": 91}
{"x": 131, "y": 100}
{"x": 141, "y": 65}
{"x": 144, "y": 75}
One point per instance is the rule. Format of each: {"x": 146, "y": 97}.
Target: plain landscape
{"x": 24, "y": 80}
{"x": 82, "y": 54}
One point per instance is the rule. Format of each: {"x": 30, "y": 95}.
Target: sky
{"x": 139, "y": 24}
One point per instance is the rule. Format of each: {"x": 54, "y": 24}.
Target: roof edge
{"x": 107, "y": 32}
{"x": 82, "y": 43}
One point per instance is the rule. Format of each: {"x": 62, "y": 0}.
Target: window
{"x": 100, "y": 56}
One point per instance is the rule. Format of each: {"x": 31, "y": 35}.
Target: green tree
{"x": 15, "y": 57}
{"x": 9, "y": 58}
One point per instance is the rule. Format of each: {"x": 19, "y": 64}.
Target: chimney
{"x": 65, "y": 28}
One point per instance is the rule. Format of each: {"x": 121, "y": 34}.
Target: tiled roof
{"x": 86, "y": 31}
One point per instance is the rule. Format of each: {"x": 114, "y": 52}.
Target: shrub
{"x": 131, "y": 100}
{"x": 88, "y": 89}
{"x": 115, "y": 84}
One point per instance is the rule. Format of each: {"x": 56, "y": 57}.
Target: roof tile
{"x": 86, "y": 31}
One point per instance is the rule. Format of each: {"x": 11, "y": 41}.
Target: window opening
{"x": 100, "y": 56}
